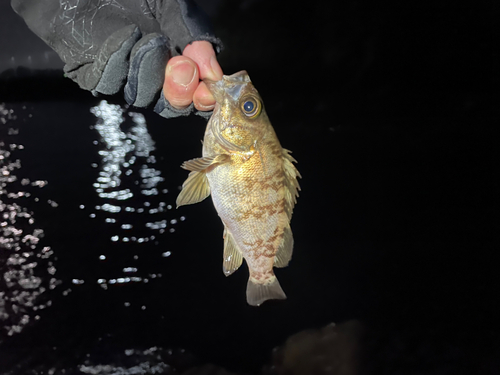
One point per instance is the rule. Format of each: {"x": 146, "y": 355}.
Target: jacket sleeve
{"x": 110, "y": 45}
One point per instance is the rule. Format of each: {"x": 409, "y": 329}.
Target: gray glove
{"x": 108, "y": 45}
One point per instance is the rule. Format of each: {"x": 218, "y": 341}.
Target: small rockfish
{"x": 253, "y": 184}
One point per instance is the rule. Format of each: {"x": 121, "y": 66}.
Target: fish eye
{"x": 250, "y": 107}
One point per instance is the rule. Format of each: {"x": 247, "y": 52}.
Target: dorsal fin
{"x": 292, "y": 186}
{"x": 284, "y": 253}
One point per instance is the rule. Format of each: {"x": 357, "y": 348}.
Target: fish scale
{"x": 253, "y": 184}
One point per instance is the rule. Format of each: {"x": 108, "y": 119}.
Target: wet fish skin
{"x": 253, "y": 184}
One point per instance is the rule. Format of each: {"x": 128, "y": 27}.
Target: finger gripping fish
{"x": 253, "y": 184}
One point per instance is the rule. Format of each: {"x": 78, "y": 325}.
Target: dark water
{"x": 396, "y": 225}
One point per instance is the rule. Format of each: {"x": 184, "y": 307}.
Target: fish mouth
{"x": 216, "y": 88}
{"x": 238, "y": 77}
{"x": 231, "y": 84}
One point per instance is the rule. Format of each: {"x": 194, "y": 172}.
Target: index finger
{"x": 203, "y": 54}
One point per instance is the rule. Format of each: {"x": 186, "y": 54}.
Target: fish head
{"x": 239, "y": 120}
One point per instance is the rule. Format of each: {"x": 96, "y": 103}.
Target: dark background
{"x": 392, "y": 112}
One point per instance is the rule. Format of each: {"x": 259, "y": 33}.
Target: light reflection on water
{"x": 134, "y": 207}
{"x": 26, "y": 264}
{"x": 154, "y": 360}
{"x": 133, "y": 199}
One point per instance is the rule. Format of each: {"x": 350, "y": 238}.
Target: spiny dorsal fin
{"x": 194, "y": 189}
{"x": 292, "y": 186}
{"x": 200, "y": 164}
{"x": 284, "y": 253}
{"x": 232, "y": 255}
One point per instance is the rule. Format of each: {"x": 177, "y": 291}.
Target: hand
{"x": 182, "y": 83}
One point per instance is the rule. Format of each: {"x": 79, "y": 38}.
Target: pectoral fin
{"x": 284, "y": 254}
{"x": 194, "y": 189}
{"x": 200, "y": 164}
{"x": 232, "y": 255}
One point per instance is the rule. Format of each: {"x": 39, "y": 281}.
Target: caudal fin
{"x": 259, "y": 293}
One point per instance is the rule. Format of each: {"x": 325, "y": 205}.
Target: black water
{"x": 395, "y": 131}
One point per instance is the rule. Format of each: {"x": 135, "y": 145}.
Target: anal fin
{"x": 232, "y": 255}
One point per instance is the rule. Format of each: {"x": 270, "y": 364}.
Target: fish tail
{"x": 259, "y": 293}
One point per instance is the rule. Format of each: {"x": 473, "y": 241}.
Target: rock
{"x": 331, "y": 350}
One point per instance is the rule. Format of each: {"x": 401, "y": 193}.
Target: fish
{"x": 253, "y": 183}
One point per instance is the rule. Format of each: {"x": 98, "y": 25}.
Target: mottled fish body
{"x": 253, "y": 184}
